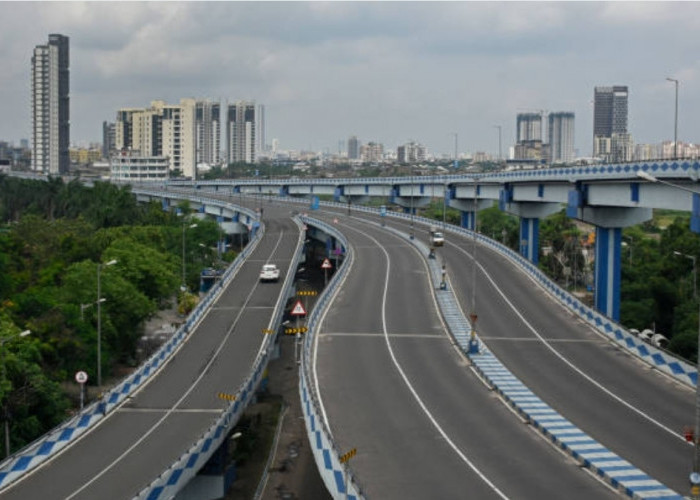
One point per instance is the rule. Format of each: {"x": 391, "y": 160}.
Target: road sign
{"x": 268, "y": 331}
{"x": 348, "y": 455}
{"x": 298, "y": 309}
{"x": 326, "y": 264}
{"x": 335, "y": 221}
{"x": 81, "y": 377}
{"x": 227, "y": 397}
{"x": 294, "y": 331}
{"x": 309, "y": 293}
{"x": 694, "y": 478}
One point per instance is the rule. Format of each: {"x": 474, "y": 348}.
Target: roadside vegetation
{"x": 52, "y": 237}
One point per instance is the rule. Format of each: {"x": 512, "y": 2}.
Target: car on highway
{"x": 269, "y": 272}
{"x": 437, "y": 239}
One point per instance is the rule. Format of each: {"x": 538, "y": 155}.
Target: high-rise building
{"x": 208, "y": 124}
{"x": 411, "y": 152}
{"x": 108, "y": 139}
{"x": 529, "y": 127}
{"x": 240, "y": 132}
{"x": 161, "y": 130}
{"x": 353, "y": 148}
{"x": 529, "y": 136}
{"x": 51, "y": 106}
{"x": 561, "y": 137}
{"x": 372, "y": 152}
{"x": 610, "y": 119}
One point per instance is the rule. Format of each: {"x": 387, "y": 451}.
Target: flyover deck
{"x": 140, "y": 439}
{"x": 395, "y": 388}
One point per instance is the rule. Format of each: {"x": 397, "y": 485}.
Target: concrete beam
{"x": 611, "y": 217}
{"x": 532, "y": 210}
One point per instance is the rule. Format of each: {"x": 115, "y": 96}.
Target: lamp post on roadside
{"x": 675, "y": 122}
{"x": 473, "y": 343}
{"x": 695, "y": 475}
{"x": 411, "y": 180}
{"x": 695, "y": 271}
{"x": 499, "y": 141}
{"x": 99, "y": 320}
{"x": 183, "y": 287}
{"x": 6, "y": 414}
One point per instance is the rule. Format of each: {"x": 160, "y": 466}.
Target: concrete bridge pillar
{"x": 609, "y": 222}
{"x": 468, "y": 219}
{"x": 469, "y": 210}
{"x": 530, "y": 238}
{"x": 530, "y": 213}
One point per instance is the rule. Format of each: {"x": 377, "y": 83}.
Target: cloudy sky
{"x": 388, "y": 72}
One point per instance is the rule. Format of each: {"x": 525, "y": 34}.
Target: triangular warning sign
{"x": 326, "y": 264}
{"x": 298, "y": 309}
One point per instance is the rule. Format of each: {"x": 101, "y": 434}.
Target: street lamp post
{"x": 499, "y": 141}
{"x": 695, "y": 271}
{"x": 411, "y": 180}
{"x": 473, "y": 344}
{"x": 4, "y": 377}
{"x": 695, "y": 475}
{"x": 99, "y": 320}
{"x": 184, "y": 276}
{"x": 675, "y": 122}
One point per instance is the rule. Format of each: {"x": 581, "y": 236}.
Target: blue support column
{"x": 608, "y": 271}
{"x": 530, "y": 238}
{"x": 467, "y": 220}
{"x": 695, "y": 214}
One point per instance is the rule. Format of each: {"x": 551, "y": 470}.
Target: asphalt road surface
{"x": 140, "y": 439}
{"x": 394, "y": 387}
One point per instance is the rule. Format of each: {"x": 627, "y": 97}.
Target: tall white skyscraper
{"x": 51, "y": 106}
{"x": 240, "y": 132}
{"x": 561, "y": 137}
{"x": 208, "y": 125}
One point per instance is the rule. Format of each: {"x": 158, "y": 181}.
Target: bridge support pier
{"x": 469, "y": 210}
{"x": 468, "y": 220}
{"x": 609, "y": 222}
{"x": 530, "y": 214}
{"x": 530, "y": 238}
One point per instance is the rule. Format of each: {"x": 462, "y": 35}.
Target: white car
{"x": 269, "y": 272}
{"x": 437, "y": 239}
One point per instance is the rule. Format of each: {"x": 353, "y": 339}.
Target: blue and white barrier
{"x": 53, "y": 441}
{"x": 619, "y": 473}
{"x": 173, "y": 479}
{"x": 337, "y": 476}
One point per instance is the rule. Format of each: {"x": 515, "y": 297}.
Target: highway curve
{"x": 635, "y": 411}
{"x": 141, "y": 438}
{"x": 394, "y": 387}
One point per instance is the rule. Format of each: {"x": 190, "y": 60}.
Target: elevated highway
{"x": 633, "y": 410}
{"x": 395, "y": 388}
{"x": 140, "y": 439}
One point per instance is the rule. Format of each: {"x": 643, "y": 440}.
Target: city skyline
{"x": 389, "y": 72}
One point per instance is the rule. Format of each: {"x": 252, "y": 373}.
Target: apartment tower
{"x": 51, "y": 106}
{"x": 561, "y": 137}
{"x": 240, "y": 132}
{"x": 610, "y": 122}
{"x": 208, "y": 125}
